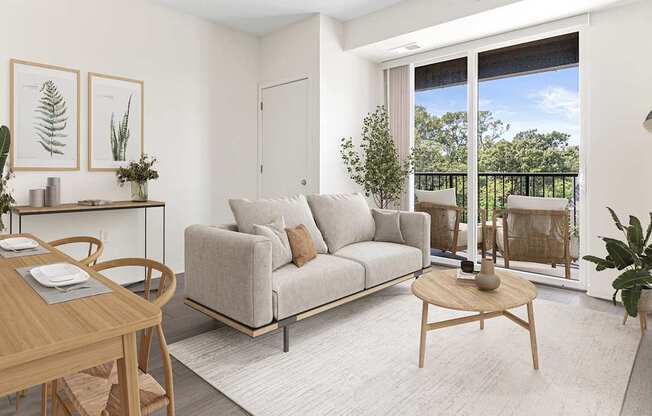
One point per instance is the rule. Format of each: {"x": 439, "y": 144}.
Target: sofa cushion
{"x": 343, "y": 219}
{"x": 383, "y": 261}
{"x": 323, "y": 280}
{"x": 445, "y": 197}
{"x": 294, "y": 210}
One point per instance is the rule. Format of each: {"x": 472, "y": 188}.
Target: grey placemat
{"x": 31, "y": 252}
{"x": 51, "y": 295}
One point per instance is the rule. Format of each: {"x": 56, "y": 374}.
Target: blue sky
{"x": 545, "y": 101}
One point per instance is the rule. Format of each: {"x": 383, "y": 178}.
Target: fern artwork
{"x": 51, "y": 119}
{"x": 120, "y": 134}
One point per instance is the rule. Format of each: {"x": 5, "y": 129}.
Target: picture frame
{"x": 44, "y": 117}
{"x": 116, "y": 131}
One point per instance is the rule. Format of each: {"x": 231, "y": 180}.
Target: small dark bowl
{"x": 467, "y": 266}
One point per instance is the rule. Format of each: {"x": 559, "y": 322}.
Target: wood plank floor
{"x": 195, "y": 397}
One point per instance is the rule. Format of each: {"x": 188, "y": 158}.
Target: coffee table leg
{"x": 533, "y": 335}
{"x": 424, "y": 331}
{"x": 481, "y": 321}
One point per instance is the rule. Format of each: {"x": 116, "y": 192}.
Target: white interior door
{"x": 284, "y": 139}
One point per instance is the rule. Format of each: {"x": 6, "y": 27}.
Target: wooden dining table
{"x": 40, "y": 343}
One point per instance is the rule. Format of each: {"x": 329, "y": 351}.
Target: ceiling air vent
{"x": 408, "y": 47}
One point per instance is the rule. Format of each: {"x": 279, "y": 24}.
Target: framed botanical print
{"x": 44, "y": 116}
{"x": 115, "y": 121}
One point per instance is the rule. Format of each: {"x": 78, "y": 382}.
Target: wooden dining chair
{"x": 96, "y": 392}
{"x": 95, "y": 250}
{"x": 92, "y": 256}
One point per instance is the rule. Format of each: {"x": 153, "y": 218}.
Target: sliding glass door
{"x": 440, "y": 143}
{"x": 520, "y": 106}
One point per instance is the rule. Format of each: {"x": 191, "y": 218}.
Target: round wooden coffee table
{"x": 440, "y": 288}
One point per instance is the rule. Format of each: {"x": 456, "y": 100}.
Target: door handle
{"x": 303, "y": 182}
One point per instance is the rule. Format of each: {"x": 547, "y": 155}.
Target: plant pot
{"x": 139, "y": 191}
{"x": 645, "y": 302}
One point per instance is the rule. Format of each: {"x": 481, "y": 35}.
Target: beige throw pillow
{"x": 275, "y": 231}
{"x": 388, "y": 226}
{"x": 303, "y": 249}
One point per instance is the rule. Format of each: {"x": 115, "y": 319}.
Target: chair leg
{"x": 625, "y": 318}
{"x": 643, "y": 320}
{"x": 286, "y": 338}
{"x": 567, "y": 270}
{"x": 44, "y": 399}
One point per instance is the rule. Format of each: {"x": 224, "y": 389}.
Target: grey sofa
{"x": 229, "y": 273}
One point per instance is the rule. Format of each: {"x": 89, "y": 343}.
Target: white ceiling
{"x": 264, "y": 16}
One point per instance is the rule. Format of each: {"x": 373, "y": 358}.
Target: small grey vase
{"x": 487, "y": 279}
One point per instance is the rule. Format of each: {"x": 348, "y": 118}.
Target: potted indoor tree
{"x": 633, "y": 258}
{"x": 138, "y": 174}
{"x": 6, "y": 198}
{"x": 376, "y": 167}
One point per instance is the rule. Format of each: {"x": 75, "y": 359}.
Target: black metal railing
{"x": 495, "y": 187}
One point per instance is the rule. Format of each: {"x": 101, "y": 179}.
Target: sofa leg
{"x": 286, "y": 338}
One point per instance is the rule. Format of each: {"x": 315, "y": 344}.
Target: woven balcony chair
{"x": 533, "y": 229}
{"x": 447, "y": 232}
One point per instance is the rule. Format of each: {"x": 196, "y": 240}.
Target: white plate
{"x": 18, "y": 243}
{"x": 59, "y": 274}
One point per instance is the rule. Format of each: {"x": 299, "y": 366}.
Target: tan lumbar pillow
{"x": 301, "y": 244}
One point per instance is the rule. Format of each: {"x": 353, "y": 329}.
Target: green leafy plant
{"x": 139, "y": 172}
{"x": 376, "y": 166}
{"x": 6, "y": 198}
{"x": 633, "y": 257}
{"x": 120, "y": 135}
{"x": 51, "y": 119}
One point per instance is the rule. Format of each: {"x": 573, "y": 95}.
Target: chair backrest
{"x": 165, "y": 291}
{"x": 92, "y": 256}
{"x": 444, "y": 216}
{"x": 536, "y": 229}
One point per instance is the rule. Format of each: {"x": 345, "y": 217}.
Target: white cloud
{"x": 560, "y": 101}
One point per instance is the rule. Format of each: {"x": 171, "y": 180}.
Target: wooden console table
{"x": 25, "y": 211}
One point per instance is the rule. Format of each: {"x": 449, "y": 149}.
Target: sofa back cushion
{"x": 343, "y": 219}
{"x": 294, "y": 210}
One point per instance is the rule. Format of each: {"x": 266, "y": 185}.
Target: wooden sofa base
{"x": 284, "y": 323}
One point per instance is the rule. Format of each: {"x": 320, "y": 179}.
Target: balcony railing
{"x": 494, "y": 188}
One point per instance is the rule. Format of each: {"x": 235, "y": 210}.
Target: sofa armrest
{"x": 415, "y": 227}
{"x": 230, "y": 272}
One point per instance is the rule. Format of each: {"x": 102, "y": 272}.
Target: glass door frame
{"x": 470, "y": 51}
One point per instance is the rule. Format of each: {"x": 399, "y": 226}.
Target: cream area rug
{"x": 361, "y": 359}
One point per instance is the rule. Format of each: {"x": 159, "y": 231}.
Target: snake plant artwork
{"x": 120, "y": 135}
{"x": 51, "y": 119}
{"x": 6, "y": 197}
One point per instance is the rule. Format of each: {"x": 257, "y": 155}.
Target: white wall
{"x": 289, "y": 54}
{"x": 619, "y": 167}
{"x": 350, "y": 88}
{"x": 344, "y": 88}
{"x": 410, "y": 16}
{"x": 200, "y": 111}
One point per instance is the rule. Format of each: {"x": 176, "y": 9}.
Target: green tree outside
{"x": 441, "y": 147}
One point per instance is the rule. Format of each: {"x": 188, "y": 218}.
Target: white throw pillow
{"x": 444, "y": 197}
{"x": 294, "y": 210}
{"x": 343, "y": 219}
{"x": 275, "y": 231}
